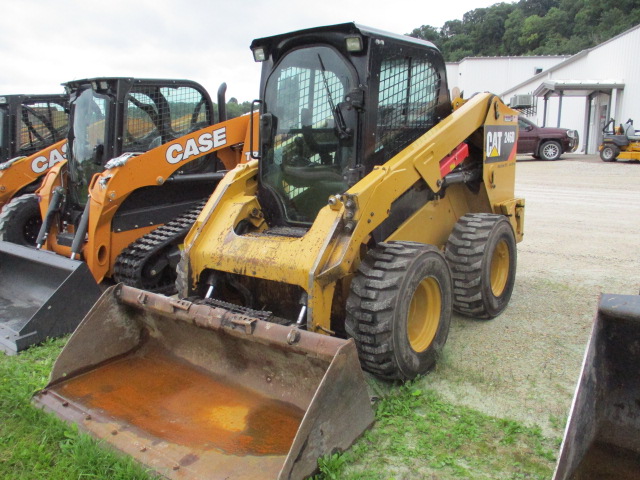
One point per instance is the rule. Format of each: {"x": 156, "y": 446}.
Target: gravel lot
{"x": 582, "y": 237}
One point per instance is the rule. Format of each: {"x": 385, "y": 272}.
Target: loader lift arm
{"x": 346, "y": 223}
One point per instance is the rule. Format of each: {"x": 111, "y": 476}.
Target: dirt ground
{"x": 582, "y": 238}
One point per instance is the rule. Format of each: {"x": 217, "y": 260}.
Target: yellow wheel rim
{"x": 500, "y": 268}
{"x": 424, "y": 314}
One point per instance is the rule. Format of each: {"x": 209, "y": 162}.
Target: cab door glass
{"x": 87, "y": 142}
{"x": 188, "y": 109}
{"x": 306, "y": 141}
{"x": 142, "y": 130}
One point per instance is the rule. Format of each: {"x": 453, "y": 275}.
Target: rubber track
{"x": 130, "y": 263}
{"x": 465, "y": 249}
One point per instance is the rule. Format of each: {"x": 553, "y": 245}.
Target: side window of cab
{"x": 407, "y": 100}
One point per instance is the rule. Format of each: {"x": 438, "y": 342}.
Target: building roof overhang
{"x": 576, "y": 88}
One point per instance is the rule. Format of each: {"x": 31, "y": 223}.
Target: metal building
{"x": 580, "y": 92}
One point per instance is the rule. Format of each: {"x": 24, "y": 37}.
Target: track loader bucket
{"x": 602, "y": 439}
{"x": 41, "y": 295}
{"x": 206, "y": 392}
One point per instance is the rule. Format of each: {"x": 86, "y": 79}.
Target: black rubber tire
{"x": 609, "y": 153}
{"x": 380, "y": 303}
{"x": 550, "y": 150}
{"x": 471, "y": 251}
{"x": 20, "y": 220}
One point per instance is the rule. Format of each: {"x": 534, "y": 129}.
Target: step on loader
{"x": 143, "y": 156}
{"x": 33, "y": 131}
{"x": 377, "y": 207}
{"x": 602, "y": 437}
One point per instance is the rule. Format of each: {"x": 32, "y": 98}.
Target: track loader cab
{"x": 29, "y": 123}
{"x": 33, "y": 130}
{"x": 113, "y": 119}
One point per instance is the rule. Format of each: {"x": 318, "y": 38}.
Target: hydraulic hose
{"x": 78, "y": 238}
{"x": 54, "y": 206}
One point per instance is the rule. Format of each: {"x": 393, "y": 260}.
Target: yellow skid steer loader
{"x": 377, "y": 207}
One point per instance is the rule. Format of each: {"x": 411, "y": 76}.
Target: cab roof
{"x": 346, "y": 29}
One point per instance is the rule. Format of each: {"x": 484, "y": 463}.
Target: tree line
{"x": 532, "y": 27}
{"x": 234, "y": 108}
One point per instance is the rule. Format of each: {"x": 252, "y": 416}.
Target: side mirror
{"x": 349, "y": 116}
{"x": 305, "y": 117}
{"x": 98, "y": 154}
{"x": 266, "y": 128}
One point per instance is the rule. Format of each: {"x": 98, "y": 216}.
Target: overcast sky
{"x": 46, "y": 42}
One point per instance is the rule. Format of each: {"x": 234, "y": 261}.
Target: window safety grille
{"x": 406, "y": 103}
{"x": 43, "y": 123}
{"x": 159, "y": 115}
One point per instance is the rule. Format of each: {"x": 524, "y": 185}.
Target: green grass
{"x": 416, "y": 435}
{"x": 35, "y": 445}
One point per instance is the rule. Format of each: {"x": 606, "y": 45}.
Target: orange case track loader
{"x": 33, "y": 130}
{"x": 143, "y": 157}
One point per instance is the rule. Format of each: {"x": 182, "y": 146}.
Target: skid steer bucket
{"x": 206, "y": 392}
{"x": 41, "y": 295}
{"x": 602, "y": 439}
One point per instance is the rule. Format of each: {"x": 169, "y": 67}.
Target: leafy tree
{"x": 426, "y": 32}
{"x": 533, "y": 33}
{"x": 234, "y": 109}
{"x": 513, "y": 29}
{"x": 536, "y": 7}
{"x": 451, "y": 28}
{"x": 532, "y": 27}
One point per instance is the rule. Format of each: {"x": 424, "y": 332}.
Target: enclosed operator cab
{"x": 29, "y": 123}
